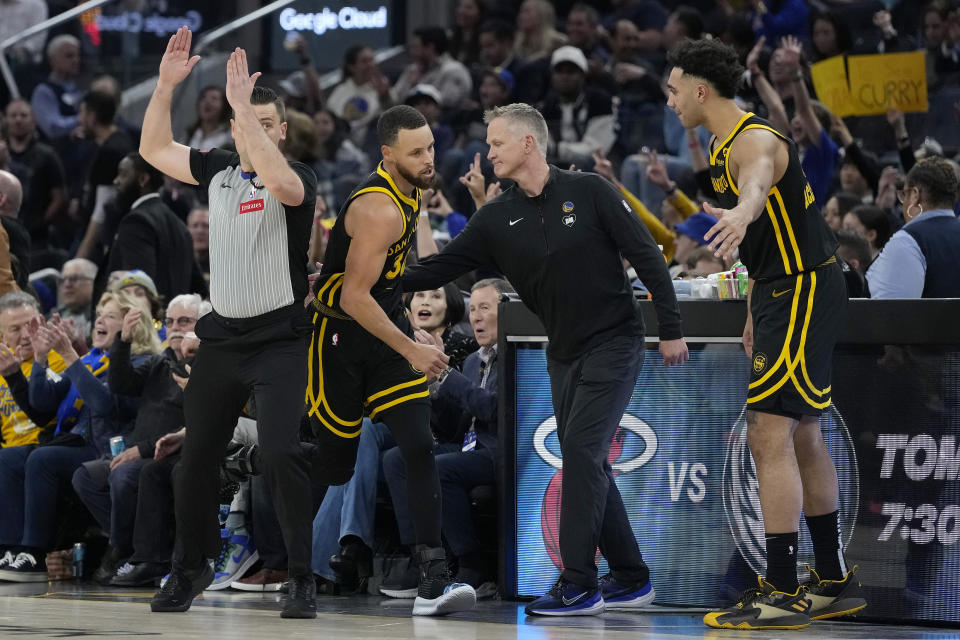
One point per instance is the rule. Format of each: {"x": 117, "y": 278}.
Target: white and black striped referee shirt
{"x": 258, "y": 245}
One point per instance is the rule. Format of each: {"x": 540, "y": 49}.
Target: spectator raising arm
{"x": 122, "y": 376}
{"x": 904, "y": 146}
{"x": 808, "y": 118}
{"x": 771, "y": 99}
{"x": 661, "y": 234}
{"x": 867, "y": 167}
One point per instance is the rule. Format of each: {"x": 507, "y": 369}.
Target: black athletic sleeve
{"x": 206, "y": 164}
{"x": 309, "y": 180}
{"x": 467, "y": 251}
{"x": 636, "y": 245}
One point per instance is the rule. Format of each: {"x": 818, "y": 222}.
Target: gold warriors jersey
{"x": 15, "y": 427}
{"x": 386, "y": 291}
{"x": 790, "y": 236}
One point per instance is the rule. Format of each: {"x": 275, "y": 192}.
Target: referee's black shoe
{"x": 300, "y": 601}
{"x": 178, "y": 592}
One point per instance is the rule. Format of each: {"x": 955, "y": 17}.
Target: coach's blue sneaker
{"x": 567, "y": 599}
{"x": 617, "y": 595}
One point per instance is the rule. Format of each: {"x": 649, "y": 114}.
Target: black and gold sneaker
{"x": 833, "y": 598}
{"x": 763, "y": 607}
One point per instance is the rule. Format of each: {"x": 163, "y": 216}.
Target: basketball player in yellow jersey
{"x": 363, "y": 358}
{"x": 796, "y": 306}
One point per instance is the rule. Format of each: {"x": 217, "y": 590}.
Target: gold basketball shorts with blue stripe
{"x": 352, "y": 374}
{"x": 797, "y": 320}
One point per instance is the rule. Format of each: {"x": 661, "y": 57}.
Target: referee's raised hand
{"x": 176, "y": 63}
{"x": 239, "y": 81}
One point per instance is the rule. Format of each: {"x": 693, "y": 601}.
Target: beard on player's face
{"x": 424, "y": 179}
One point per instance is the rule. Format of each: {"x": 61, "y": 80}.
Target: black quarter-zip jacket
{"x": 561, "y": 251}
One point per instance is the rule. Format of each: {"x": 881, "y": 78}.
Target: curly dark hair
{"x": 937, "y": 182}
{"x": 711, "y": 60}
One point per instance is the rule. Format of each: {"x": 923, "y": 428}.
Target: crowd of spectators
{"x": 104, "y": 261}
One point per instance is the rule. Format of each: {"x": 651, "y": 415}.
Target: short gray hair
{"x": 88, "y": 268}
{"x": 17, "y": 299}
{"x": 526, "y": 117}
{"x": 191, "y": 300}
{"x": 10, "y": 185}
{"x": 58, "y": 41}
{"x": 501, "y": 285}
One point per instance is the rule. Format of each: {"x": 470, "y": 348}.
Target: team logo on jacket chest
{"x": 570, "y": 217}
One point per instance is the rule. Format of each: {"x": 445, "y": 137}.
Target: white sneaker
{"x": 438, "y": 596}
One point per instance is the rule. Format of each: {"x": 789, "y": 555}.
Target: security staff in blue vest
{"x": 922, "y": 259}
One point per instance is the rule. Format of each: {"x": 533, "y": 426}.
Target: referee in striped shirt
{"x": 255, "y": 340}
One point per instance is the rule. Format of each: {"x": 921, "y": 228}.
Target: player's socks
{"x": 782, "y": 561}
{"x": 825, "y": 534}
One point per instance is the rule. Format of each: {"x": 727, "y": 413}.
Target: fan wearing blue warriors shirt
{"x": 796, "y": 305}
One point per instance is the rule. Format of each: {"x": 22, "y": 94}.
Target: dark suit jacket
{"x": 463, "y": 391}
{"x": 152, "y": 238}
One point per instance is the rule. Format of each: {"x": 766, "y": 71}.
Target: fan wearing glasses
{"x": 182, "y": 314}
{"x": 75, "y": 293}
{"x": 922, "y": 258}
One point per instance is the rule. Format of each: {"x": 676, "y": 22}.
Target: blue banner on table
{"x": 689, "y": 484}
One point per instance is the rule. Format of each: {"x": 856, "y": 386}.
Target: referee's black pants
{"x": 265, "y": 356}
{"x": 590, "y": 395}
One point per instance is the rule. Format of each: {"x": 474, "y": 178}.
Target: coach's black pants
{"x": 265, "y": 356}
{"x": 590, "y": 395}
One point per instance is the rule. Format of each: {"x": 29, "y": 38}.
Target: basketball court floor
{"x": 68, "y": 610}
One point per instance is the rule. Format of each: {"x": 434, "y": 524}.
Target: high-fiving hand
{"x": 724, "y": 237}
{"x": 176, "y": 63}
